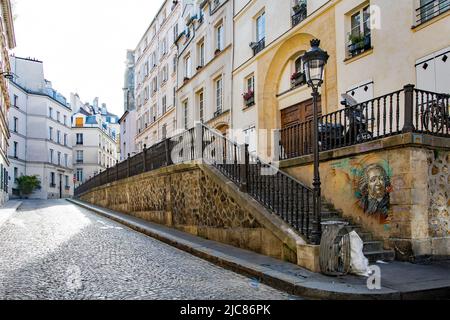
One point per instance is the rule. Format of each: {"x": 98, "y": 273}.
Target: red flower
{"x": 248, "y": 95}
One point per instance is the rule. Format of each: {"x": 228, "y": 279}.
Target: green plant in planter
{"x": 299, "y": 6}
{"x": 356, "y": 39}
{"x": 357, "y": 43}
{"x": 28, "y": 184}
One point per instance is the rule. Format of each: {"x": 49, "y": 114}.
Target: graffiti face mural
{"x": 374, "y": 188}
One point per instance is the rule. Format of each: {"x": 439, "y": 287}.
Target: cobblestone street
{"x": 56, "y": 250}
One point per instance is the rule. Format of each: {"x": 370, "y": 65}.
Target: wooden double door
{"x": 299, "y": 113}
{"x": 295, "y": 138}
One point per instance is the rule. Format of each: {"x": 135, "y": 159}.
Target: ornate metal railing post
{"x": 243, "y": 165}
{"x": 167, "y": 149}
{"x": 128, "y": 166}
{"x": 117, "y": 170}
{"x": 144, "y": 158}
{"x": 198, "y": 141}
{"x": 409, "y": 108}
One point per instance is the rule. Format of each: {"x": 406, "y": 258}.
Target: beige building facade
{"x": 205, "y": 65}
{"x": 274, "y": 36}
{"x": 40, "y": 141}
{"x": 408, "y": 45}
{"x": 155, "y": 77}
{"x": 7, "y": 43}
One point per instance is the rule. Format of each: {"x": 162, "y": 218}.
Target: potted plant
{"x": 249, "y": 98}
{"x": 356, "y": 43}
{"x": 299, "y": 6}
{"x": 27, "y": 185}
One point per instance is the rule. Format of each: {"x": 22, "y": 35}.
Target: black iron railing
{"x": 299, "y": 16}
{"x": 277, "y": 191}
{"x": 431, "y": 9}
{"x": 406, "y": 110}
{"x": 285, "y": 196}
{"x": 258, "y": 46}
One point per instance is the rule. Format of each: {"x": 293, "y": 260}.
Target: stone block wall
{"x": 400, "y": 194}
{"x": 191, "y": 200}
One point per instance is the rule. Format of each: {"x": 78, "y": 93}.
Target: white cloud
{"x": 83, "y": 43}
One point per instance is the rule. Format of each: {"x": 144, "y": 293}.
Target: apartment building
{"x": 40, "y": 141}
{"x": 128, "y": 120}
{"x": 127, "y": 134}
{"x": 367, "y": 58}
{"x": 405, "y": 42}
{"x": 95, "y": 138}
{"x": 155, "y": 74}
{"x": 7, "y": 43}
{"x": 205, "y": 65}
{"x": 269, "y": 91}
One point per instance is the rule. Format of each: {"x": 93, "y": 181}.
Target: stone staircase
{"x": 272, "y": 195}
{"x": 373, "y": 248}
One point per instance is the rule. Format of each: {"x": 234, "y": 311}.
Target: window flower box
{"x": 298, "y": 79}
{"x": 359, "y": 44}
{"x": 299, "y": 7}
{"x": 249, "y": 98}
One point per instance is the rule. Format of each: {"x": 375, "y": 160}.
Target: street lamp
{"x": 314, "y": 62}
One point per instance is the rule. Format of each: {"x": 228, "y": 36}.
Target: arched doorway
{"x": 271, "y": 70}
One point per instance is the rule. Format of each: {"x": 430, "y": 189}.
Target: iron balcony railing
{"x": 278, "y": 192}
{"x": 431, "y": 9}
{"x": 406, "y": 110}
{"x": 258, "y": 46}
{"x": 300, "y": 15}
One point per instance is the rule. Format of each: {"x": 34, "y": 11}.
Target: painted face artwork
{"x": 374, "y": 188}
{"x": 377, "y": 184}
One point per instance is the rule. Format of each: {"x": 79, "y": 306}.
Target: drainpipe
{"x": 232, "y": 64}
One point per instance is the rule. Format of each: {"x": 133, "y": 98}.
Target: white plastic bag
{"x": 359, "y": 264}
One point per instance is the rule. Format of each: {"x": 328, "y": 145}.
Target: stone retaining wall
{"x": 410, "y": 211}
{"x": 193, "y": 199}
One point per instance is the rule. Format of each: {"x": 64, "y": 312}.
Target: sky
{"x": 83, "y": 43}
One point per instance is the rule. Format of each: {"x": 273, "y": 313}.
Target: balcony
{"x": 215, "y": 4}
{"x": 258, "y": 46}
{"x": 359, "y": 44}
{"x": 80, "y": 161}
{"x": 300, "y": 14}
{"x": 430, "y": 10}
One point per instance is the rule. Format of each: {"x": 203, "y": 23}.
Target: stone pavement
{"x": 57, "y": 250}
{"x": 399, "y": 280}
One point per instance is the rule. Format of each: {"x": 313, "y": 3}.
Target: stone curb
{"x": 314, "y": 288}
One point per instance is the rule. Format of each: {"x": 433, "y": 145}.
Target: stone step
{"x": 365, "y": 236}
{"x": 373, "y": 246}
{"x": 383, "y": 255}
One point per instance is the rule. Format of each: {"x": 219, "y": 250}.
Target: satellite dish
{"x": 348, "y": 100}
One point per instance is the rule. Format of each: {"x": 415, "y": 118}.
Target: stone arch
{"x": 270, "y": 70}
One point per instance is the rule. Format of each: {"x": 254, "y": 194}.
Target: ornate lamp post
{"x": 314, "y": 62}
